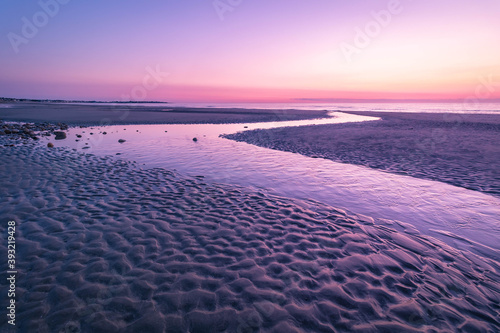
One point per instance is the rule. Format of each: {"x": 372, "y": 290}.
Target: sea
{"x": 470, "y": 106}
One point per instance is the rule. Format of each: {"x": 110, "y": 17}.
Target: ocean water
{"x": 465, "y": 107}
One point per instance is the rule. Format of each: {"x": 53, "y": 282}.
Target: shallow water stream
{"x": 460, "y": 217}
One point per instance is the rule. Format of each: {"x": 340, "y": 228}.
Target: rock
{"x": 34, "y": 137}
{"x": 78, "y": 136}
{"x": 50, "y": 145}
{"x": 104, "y": 133}
{"x": 7, "y": 131}
{"x": 60, "y": 135}
{"x": 195, "y": 139}
{"x": 121, "y": 141}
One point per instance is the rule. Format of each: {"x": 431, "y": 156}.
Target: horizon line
{"x": 294, "y": 100}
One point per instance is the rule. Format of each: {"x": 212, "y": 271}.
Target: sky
{"x": 250, "y": 50}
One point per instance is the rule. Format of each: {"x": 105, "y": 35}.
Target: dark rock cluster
{"x": 16, "y": 133}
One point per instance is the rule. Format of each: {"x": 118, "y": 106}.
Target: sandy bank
{"x": 462, "y": 150}
{"x": 103, "y": 246}
{"x": 73, "y": 114}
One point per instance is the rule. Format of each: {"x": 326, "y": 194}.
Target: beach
{"x": 458, "y": 149}
{"x": 236, "y": 166}
{"x": 107, "y": 245}
{"x": 104, "y": 246}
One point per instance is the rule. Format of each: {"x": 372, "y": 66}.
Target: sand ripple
{"x": 107, "y": 247}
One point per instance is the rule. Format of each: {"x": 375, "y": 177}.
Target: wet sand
{"x": 103, "y": 246}
{"x": 458, "y": 149}
{"x": 102, "y": 114}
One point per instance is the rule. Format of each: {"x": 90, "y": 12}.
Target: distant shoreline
{"x": 27, "y": 100}
{"x": 293, "y": 101}
{"x": 109, "y": 114}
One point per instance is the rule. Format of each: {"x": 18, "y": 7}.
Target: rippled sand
{"x": 104, "y": 246}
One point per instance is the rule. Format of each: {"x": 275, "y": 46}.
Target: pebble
{"x": 60, "y": 135}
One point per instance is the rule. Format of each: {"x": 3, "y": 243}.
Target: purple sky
{"x": 258, "y": 50}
